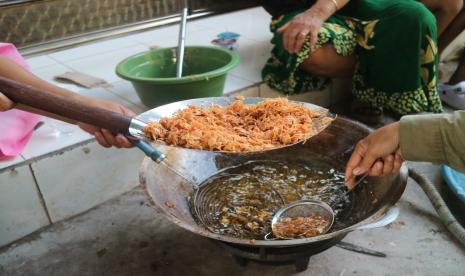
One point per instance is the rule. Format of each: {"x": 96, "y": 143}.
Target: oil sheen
{"x": 243, "y": 199}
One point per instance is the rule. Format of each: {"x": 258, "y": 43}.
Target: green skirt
{"x": 394, "y": 42}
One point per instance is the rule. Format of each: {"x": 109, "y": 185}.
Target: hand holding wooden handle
{"x": 48, "y": 102}
{"x": 5, "y": 103}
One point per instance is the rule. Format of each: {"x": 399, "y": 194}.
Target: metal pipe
{"x": 60, "y": 44}
{"x": 181, "y": 42}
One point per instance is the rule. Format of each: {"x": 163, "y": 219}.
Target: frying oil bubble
{"x": 249, "y": 195}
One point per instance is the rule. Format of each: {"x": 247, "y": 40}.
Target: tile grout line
{"x": 28, "y": 161}
{"x": 255, "y": 85}
{"x": 41, "y": 196}
{"x": 244, "y": 79}
{"x": 121, "y": 97}
{"x": 56, "y": 60}
{"x": 36, "y": 71}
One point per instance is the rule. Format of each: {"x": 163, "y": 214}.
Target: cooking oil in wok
{"x": 242, "y": 200}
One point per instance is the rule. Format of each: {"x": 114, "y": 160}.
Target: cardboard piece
{"x": 83, "y": 80}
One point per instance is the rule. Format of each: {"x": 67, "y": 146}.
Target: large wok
{"x": 169, "y": 192}
{"x": 168, "y": 188}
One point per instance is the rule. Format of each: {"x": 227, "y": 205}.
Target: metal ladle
{"x": 308, "y": 208}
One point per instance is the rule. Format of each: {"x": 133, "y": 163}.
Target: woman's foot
{"x": 453, "y": 95}
{"x": 458, "y": 88}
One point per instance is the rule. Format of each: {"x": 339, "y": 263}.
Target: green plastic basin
{"x": 153, "y": 73}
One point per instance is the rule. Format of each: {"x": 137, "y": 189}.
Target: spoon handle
{"x": 360, "y": 180}
{"x": 359, "y": 249}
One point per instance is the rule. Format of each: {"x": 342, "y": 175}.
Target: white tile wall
{"x": 84, "y": 177}
{"x": 21, "y": 211}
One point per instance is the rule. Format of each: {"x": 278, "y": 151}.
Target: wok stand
{"x": 299, "y": 256}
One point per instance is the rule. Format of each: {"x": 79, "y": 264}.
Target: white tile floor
{"x": 100, "y": 59}
{"x": 11, "y": 162}
{"x": 21, "y": 210}
{"x": 88, "y": 184}
{"x": 45, "y": 140}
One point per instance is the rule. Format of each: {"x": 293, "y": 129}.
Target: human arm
{"x": 11, "y": 70}
{"x": 377, "y": 154}
{"x": 5, "y": 103}
{"x": 308, "y": 23}
{"x": 436, "y": 138}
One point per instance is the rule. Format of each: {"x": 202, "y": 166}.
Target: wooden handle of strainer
{"x": 42, "y": 102}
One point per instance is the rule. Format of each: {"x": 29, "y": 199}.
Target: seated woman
{"x": 388, "y": 47}
{"x": 450, "y": 17}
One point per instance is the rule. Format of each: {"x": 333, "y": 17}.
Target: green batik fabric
{"x": 282, "y": 71}
{"x": 394, "y": 42}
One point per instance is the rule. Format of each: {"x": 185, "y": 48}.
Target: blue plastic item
{"x": 228, "y": 35}
{"x": 455, "y": 180}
